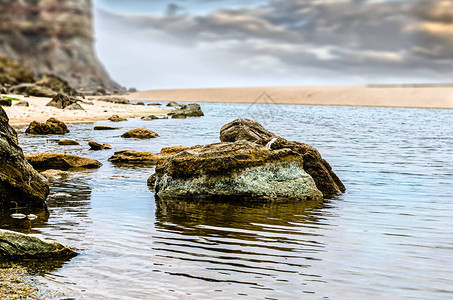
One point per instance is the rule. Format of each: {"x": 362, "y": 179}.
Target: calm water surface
{"x": 388, "y": 237}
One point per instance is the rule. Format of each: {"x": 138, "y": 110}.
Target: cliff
{"x": 53, "y": 37}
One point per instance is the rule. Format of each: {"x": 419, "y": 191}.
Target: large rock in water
{"x": 189, "y": 110}
{"x": 52, "y": 126}
{"x": 140, "y": 133}
{"x": 19, "y": 182}
{"x": 241, "y": 170}
{"x": 143, "y": 157}
{"x": 53, "y": 37}
{"x": 14, "y": 245}
{"x": 318, "y": 168}
{"x": 48, "y": 160}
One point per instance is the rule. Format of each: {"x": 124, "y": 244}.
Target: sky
{"x": 158, "y": 44}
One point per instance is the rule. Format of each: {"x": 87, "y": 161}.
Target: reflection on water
{"x": 388, "y": 237}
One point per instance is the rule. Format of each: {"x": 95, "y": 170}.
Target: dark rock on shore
{"x": 240, "y": 170}
{"x": 23, "y": 103}
{"x": 140, "y": 133}
{"x": 116, "y": 118}
{"x": 173, "y": 104}
{"x": 19, "y": 182}
{"x": 47, "y": 160}
{"x": 75, "y": 106}
{"x": 31, "y": 89}
{"x": 142, "y": 157}
{"x": 97, "y": 146}
{"x": 60, "y": 101}
{"x": 189, "y": 110}
{"x": 14, "y": 245}
{"x": 67, "y": 142}
{"x": 140, "y": 103}
{"x": 106, "y": 128}
{"x": 318, "y": 168}
{"x": 244, "y": 129}
{"x": 115, "y": 100}
{"x": 52, "y": 126}
{"x": 5, "y": 102}
{"x": 57, "y": 85}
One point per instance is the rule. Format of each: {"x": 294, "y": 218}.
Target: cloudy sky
{"x": 221, "y": 43}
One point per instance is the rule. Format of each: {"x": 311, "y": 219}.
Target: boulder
{"x": 106, "y": 128}
{"x": 140, "y": 103}
{"x": 52, "y": 126}
{"x": 173, "y": 104}
{"x": 237, "y": 171}
{"x": 14, "y": 245}
{"x": 149, "y": 118}
{"x": 244, "y": 129}
{"x": 23, "y": 104}
{"x": 189, "y": 110}
{"x": 116, "y": 118}
{"x": 97, "y": 146}
{"x": 5, "y": 102}
{"x": 67, "y": 142}
{"x": 54, "y": 174}
{"x": 60, "y": 101}
{"x": 75, "y": 106}
{"x": 57, "y": 85}
{"x": 57, "y": 161}
{"x": 19, "y": 182}
{"x": 140, "y": 133}
{"x": 31, "y": 89}
{"x": 179, "y": 117}
{"x": 142, "y": 157}
{"x": 115, "y": 100}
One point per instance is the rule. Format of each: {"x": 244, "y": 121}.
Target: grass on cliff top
{"x": 10, "y": 98}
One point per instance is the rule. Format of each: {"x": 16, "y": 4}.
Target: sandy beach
{"x": 386, "y": 96}
{"x": 100, "y": 110}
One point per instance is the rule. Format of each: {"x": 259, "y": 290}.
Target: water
{"x": 388, "y": 237}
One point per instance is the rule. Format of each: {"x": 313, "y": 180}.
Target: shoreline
{"x": 431, "y": 97}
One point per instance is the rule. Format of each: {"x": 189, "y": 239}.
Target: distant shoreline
{"x": 433, "y": 97}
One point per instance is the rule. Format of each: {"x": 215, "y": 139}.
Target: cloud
{"x": 375, "y": 40}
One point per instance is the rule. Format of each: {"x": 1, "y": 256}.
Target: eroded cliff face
{"x": 53, "y": 37}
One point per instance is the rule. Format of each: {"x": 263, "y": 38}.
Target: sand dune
{"x": 415, "y": 97}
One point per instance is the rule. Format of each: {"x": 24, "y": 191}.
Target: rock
{"x": 106, "y": 128}
{"x": 96, "y": 146}
{"x": 173, "y": 104}
{"x": 244, "y": 129}
{"x": 23, "y": 104}
{"x": 86, "y": 102}
{"x": 52, "y": 126}
{"x": 14, "y": 245}
{"x": 75, "y": 106}
{"x": 60, "y": 101}
{"x": 142, "y": 157}
{"x": 154, "y": 104}
{"x": 241, "y": 170}
{"x": 19, "y": 182}
{"x": 149, "y": 118}
{"x": 140, "y": 103}
{"x": 116, "y": 118}
{"x": 190, "y": 110}
{"x": 151, "y": 182}
{"x": 140, "y": 133}
{"x": 115, "y": 100}
{"x": 67, "y": 142}
{"x": 179, "y": 117}
{"x": 52, "y": 174}
{"x": 5, "y": 102}
{"x": 13, "y": 72}
{"x": 47, "y": 160}
{"x": 318, "y": 168}
{"x": 54, "y": 37}
{"x": 31, "y": 89}
{"x": 57, "y": 85}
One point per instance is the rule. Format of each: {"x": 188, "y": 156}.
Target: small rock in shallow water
{"x": 97, "y": 146}
{"x": 52, "y": 126}
{"x": 67, "y": 142}
{"x": 106, "y": 128}
{"x": 47, "y": 160}
{"x": 140, "y": 133}
{"x": 149, "y": 118}
{"x": 116, "y": 118}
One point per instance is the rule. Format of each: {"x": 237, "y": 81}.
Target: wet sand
{"x": 382, "y": 96}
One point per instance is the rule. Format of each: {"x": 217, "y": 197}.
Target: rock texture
{"x": 13, "y": 72}
{"x": 115, "y": 100}
{"x": 143, "y": 157}
{"x": 19, "y": 182}
{"x": 106, "y": 128}
{"x": 97, "y": 146}
{"x": 31, "y": 89}
{"x": 67, "y": 142}
{"x": 57, "y": 85}
{"x": 60, "y": 101}
{"x": 53, "y": 37}
{"x": 5, "y": 102}
{"x": 52, "y": 126}
{"x": 47, "y": 160}
{"x": 140, "y": 133}
{"x": 116, "y": 118}
{"x": 318, "y": 168}
{"x": 14, "y": 245}
{"x": 189, "y": 110}
{"x": 240, "y": 170}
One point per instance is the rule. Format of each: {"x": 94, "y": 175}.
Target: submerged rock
{"x": 97, "y": 146}
{"x": 143, "y": 157}
{"x": 19, "y": 182}
{"x": 242, "y": 170}
{"x": 116, "y": 118}
{"x": 189, "y": 110}
{"x": 140, "y": 133}
{"x": 106, "y": 128}
{"x": 244, "y": 129}
{"x": 149, "y": 118}
{"x": 52, "y": 174}
{"x": 48, "y": 160}
{"x": 14, "y": 245}
{"x": 31, "y": 89}
{"x": 67, "y": 142}
{"x": 52, "y": 126}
